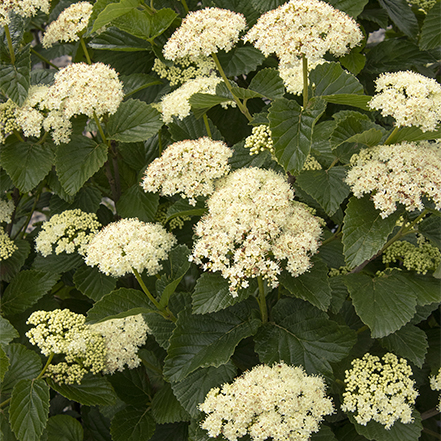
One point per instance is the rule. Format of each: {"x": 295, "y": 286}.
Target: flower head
{"x": 69, "y": 231}
{"x": 259, "y": 140}
{"x": 204, "y": 32}
{"x": 6, "y": 210}
{"x": 188, "y": 167}
{"x": 379, "y": 391}
{"x": 435, "y": 384}
{"x": 24, "y": 8}
{"x": 411, "y": 98}
{"x": 129, "y": 244}
{"x": 307, "y": 28}
{"x": 398, "y": 173}
{"x": 69, "y": 24}
{"x": 254, "y": 228}
{"x": 280, "y": 402}
{"x": 7, "y": 245}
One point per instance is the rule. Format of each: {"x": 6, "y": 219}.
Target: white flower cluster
{"x": 123, "y": 337}
{"x": 280, "y": 402}
{"x": 398, "y": 173}
{"x": 6, "y": 210}
{"x": 7, "y": 245}
{"x": 379, "y": 391}
{"x": 252, "y": 226}
{"x": 259, "y": 140}
{"x": 204, "y": 32}
{"x": 69, "y": 24}
{"x": 188, "y": 167}
{"x": 292, "y": 74}
{"x": 69, "y": 232}
{"x": 129, "y": 244}
{"x": 64, "y": 332}
{"x": 24, "y": 8}
{"x": 435, "y": 384}
{"x": 411, "y": 98}
{"x": 309, "y": 28}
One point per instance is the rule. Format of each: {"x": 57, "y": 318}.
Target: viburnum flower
{"x": 380, "y": 391}
{"x": 435, "y": 384}
{"x": 280, "y": 402}
{"x": 254, "y": 228}
{"x": 7, "y": 245}
{"x": 129, "y": 244}
{"x": 69, "y": 232}
{"x": 309, "y": 28}
{"x": 398, "y": 173}
{"x": 122, "y": 337}
{"x": 259, "y": 140}
{"x": 188, "y": 167}
{"x": 24, "y": 8}
{"x": 6, "y": 210}
{"x": 69, "y": 24}
{"x": 411, "y": 98}
{"x": 205, "y": 32}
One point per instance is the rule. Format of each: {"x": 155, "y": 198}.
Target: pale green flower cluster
{"x": 7, "y": 245}
{"x": 424, "y": 5}
{"x": 380, "y": 391}
{"x": 129, "y": 244}
{"x": 8, "y": 122}
{"x": 398, "y": 173}
{"x": 311, "y": 163}
{"x": 6, "y": 210}
{"x": 64, "y": 332}
{"x": 280, "y": 402}
{"x": 411, "y": 98}
{"x": 188, "y": 167}
{"x": 123, "y": 337}
{"x": 69, "y": 24}
{"x": 259, "y": 140}
{"x": 254, "y": 228}
{"x": 422, "y": 258}
{"x": 435, "y": 384}
{"x": 24, "y": 8}
{"x": 175, "y": 223}
{"x": 68, "y": 232}
{"x": 205, "y": 32}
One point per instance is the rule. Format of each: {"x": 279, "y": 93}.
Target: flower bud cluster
{"x": 259, "y": 140}
{"x": 69, "y": 232}
{"x": 6, "y": 210}
{"x": 379, "y": 391}
{"x": 280, "y": 402}
{"x": 24, "y": 8}
{"x": 435, "y": 384}
{"x": 8, "y": 122}
{"x": 311, "y": 163}
{"x": 7, "y": 245}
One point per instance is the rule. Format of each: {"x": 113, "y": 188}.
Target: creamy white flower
{"x": 24, "y": 8}
{"x": 280, "y": 402}
{"x": 204, "y": 32}
{"x": 411, "y": 98}
{"x": 188, "y": 167}
{"x": 129, "y": 244}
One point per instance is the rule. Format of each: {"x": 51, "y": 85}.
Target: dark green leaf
{"x": 132, "y": 424}
{"x": 113, "y": 11}
{"x": 166, "y": 408}
{"x": 364, "y": 230}
{"x": 354, "y": 62}
{"x": 415, "y": 134}
{"x": 431, "y": 229}
{"x": 136, "y": 82}
{"x": 192, "y": 128}
{"x": 42, "y": 76}
{"x": 96, "y": 425}
{"x": 93, "y": 283}
{"x": 430, "y": 35}
{"x": 359, "y": 101}
{"x": 26, "y": 289}
{"x": 402, "y": 15}
{"x": 113, "y": 39}
{"x": 7, "y": 331}
{"x": 161, "y": 328}
{"x": 324, "y": 434}
{"x": 292, "y": 128}
{"x": 425, "y": 288}
{"x": 207, "y": 100}
{"x": 351, "y": 7}
{"x": 303, "y": 335}
{"x": 4, "y": 364}
{"x": 132, "y": 386}
{"x": 207, "y": 340}
{"x": 134, "y": 121}
{"x": 135, "y": 202}
{"x": 161, "y": 21}
{"x": 268, "y": 83}
{"x": 64, "y": 428}
{"x": 240, "y": 60}
{"x": 11, "y": 266}
{"x": 182, "y": 208}
{"x": 266, "y": 5}
{"x": 135, "y": 22}
{"x": 57, "y": 263}
{"x": 29, "y": 409}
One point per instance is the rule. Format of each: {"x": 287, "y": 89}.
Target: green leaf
{"x": 78, "y": 161}
{"x": 134, "y": 121}
{"x": 312, "y": 286}
{"x": 42, "y": 76}
{"x": 132, "y": 424}
{"x": 409, "y": 342}
{"x": 7, "y": 331}
{"x": 64, "y": 428}
{"x": 93, "y": 283}
{"x": 4, "y": 364}
{"x": 135, "y": 22}
{"x": 359, "y": 101}
{"x": 430, "y": 228}
{"x": 26, "y": 163}
{"x": 303, "y": 335}
{"x": 351, "y": 7}
{"x": 94, "y": 390}
{"x": 87, "y": 199}
{"x": 120, "y": 303}
{"x": 292, "y": 128}
{"x": 430, "y": 36}
{"x": 57, "y": 263}
{"x": 26, "y": 289}
{"x": 135, "y": 202}
{"x": 268, "y": 83}
{"x": 240, "y": 60}
{"x": 113, "y": 39}
{"x": 364, "y": 230}
{"x": 132, "y": 386}
{"x": 29, "y": 409}
{"x": 191, "y": 391}
{"x": 15, "y": 78}
{"x": 166, "y": 408}
{"x": 212, "y": 294}
{"x": 136, "y": 82}
{"x": 354, "y": 62}
{"x": 327, "y": 187}
{"x": 207, "y": 100}
{"x": 402, "y": 15}
{"x": 192, "y": 128}
{"x": 161, "y": 328}
{"x": 425, "y": 288}
{"x": 113, "y": 11}
{"x": 383, "y": 303}
{"x": 182, "y": 208}
{"x": 11, "y": 266}
{"x": 160, "y": 21}
{"x": 207, "y": 340}
{"x": 415, "y": 134}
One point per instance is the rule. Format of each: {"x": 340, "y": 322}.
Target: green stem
{"x": 100, "y": 129}
{"x": 305, "y": 81}
{"x": 184, "y": 4}
{"x": 48, "y": 362}
{"x": 362, "y": 329}
{"x": 335, "y": 161}
{"x": 11, "y": 48}
{"x": 391, "y": 136}
{"x": 262, "y": 300}
{"x": 22, "y": 231}
{"x": 43, "y": 138}
{"x": 18, "y": 136}
{"x": 239, "y": 103}
{"x": 207, "y": 126}
{"x": 45, "y": 60}
{"x": 86, "y": 52}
